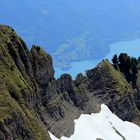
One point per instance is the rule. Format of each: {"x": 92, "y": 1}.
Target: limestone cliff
{"x": 32, "y": 101}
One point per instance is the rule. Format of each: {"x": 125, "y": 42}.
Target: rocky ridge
{"x": 33, "y": 102}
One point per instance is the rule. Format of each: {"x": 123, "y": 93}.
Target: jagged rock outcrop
{"x": 112, "y": 89}
{"x": 32, "y": 101}
{"x": 19, "y": 97}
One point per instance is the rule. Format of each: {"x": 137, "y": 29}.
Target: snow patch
{"x": 104, "y": 125}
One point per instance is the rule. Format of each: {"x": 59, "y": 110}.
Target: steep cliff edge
{"x": 110, "y": 86}
{"x": 32, "y": 101}
{"x": 19, "y": 98}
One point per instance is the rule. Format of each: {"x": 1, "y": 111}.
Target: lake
{"x": 131, "y": 47}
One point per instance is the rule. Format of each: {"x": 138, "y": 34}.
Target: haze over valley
{"x": 73, "y": 30}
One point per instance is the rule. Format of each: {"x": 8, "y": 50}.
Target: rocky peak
{"x": 111, "y": 88}
{"x": 19, "y": 101}
{"x": 42, "y": 66}
{"x": 32, "y": 101}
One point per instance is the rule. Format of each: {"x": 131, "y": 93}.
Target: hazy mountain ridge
{"x": 54, "y": 23}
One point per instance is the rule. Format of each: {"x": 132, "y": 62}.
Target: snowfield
{"x": 103, "y": 126}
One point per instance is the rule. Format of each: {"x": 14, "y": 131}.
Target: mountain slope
{"x": 18, "y": 119}
{"x": 33, "y": 102}
{"x": 103, "y": 126}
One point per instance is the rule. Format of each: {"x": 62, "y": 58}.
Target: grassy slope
{"x": 12, "y": 104}
{"x": 117, "y": 77}
{"x": 122, "y": 86}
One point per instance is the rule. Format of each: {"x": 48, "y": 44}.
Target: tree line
{"x": 129, "y": 66}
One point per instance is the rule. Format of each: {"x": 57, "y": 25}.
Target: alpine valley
{"x": 75, "y": 30}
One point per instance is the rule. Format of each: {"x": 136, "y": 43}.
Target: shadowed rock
{"x": 32, "y": 101}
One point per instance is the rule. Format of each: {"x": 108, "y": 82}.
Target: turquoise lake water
{"x": 131, "y": 47}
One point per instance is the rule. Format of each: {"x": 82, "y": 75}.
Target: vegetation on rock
{"x": 129, "y": 66}
{"x": 32, "y": 101}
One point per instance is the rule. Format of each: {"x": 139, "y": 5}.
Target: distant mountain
{"x": 33, "y": 102}
{"x": 73, "y": 30}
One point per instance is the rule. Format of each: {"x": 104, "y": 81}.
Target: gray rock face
{"x": 42, "y": 66}
{"x": 111, "y": 88}
{"x": 54, "y": 104}
{"x": 86, "y": 93}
